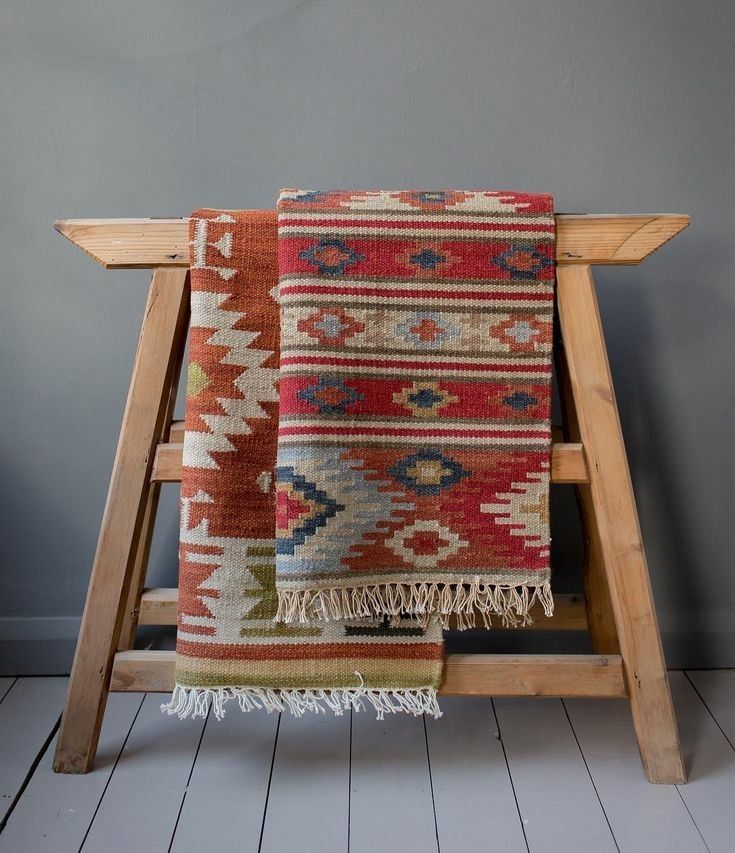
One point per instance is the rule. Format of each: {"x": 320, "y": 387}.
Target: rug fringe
{"x": 511, "y": 602}
{"x": 196, "y": 701}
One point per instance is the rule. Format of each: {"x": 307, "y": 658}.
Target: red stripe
{"x": 417, "y": 223}
{"x": 482, "y": 399}
{"x": 341, "y": 290}
{"x": 388, "y": 255}
{"x": 397, "y": 430}
{"x": 317, "y": 651}
{"x": 390, "y": 363}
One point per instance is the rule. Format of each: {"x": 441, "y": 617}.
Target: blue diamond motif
{"x": 427, "y": 472}
{"x": 520, "y": 401}
{"x": 308, "y": 197}
{"x": 431, "y": 196}
{"x": 426, "y": 398}
{"x": 331, "y": 257}
{"x": 330, "y": 395}
{"x": 427, "y": 259}
{"x": 521, "y": 262}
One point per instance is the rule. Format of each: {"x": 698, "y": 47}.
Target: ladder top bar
{"x": 580, "y": 238}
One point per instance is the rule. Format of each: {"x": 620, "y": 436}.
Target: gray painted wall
{"x": 133, "y": 108}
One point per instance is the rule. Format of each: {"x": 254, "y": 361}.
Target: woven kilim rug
{"x": 228, "y": 645}
{"x": 414, "y": 440}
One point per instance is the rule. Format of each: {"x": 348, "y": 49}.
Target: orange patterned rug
{"x": 228, "y": 644}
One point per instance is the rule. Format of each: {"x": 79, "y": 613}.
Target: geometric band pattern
{"x": 414, "y": 404}
{"x": 229, "y": 645}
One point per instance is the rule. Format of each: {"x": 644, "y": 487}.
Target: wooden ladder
{"x": 617, "y": 607}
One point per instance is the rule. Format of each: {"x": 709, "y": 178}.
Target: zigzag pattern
{"x": 228, "y": 643}
{"x": 256, "y": 383}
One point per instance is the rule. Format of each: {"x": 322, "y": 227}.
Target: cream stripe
{"x": 413, "y": 284}
{"x": 429, "y": 302}
{"x": 486, "y": 309}
{"x": 435, "y": 426}
{"x": 414, "y": 233}
{"x": 474, "y": 377}
{"x": 434, "y": 373}
{"x": 420, "y": 355}
{"x": 402, "y": 216}
{"x": 328, "y": 635}
{"x": 420, "y": 440}
{"x": 469, "y": 575}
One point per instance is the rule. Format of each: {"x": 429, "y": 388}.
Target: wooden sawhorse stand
{"x": 617, "y": 608}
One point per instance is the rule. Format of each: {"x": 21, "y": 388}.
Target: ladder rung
{"x": 158, "y": 607}
{"x": 567, "y": 463}
{"x": 464, "y": 675}
{"x": 176, "y": 432}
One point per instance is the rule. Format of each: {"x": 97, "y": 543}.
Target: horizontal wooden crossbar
{"x": 580, "y": 239}
{"x": 158, "y": 606}
{"x": 567, "y": 463}
{"x": 598, "y": 676}
{"x": 594, "y": 676}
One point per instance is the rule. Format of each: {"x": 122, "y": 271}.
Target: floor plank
{"x": 308, "y": 803}
{"x": 473, "y": 794}
{"x": 710, "y": 760}
{"x": 56, "y": 810}
{"x": 643, "y": 817}
{"x": 140, "y": 806}
{"x": 5, "y": 685}
{"x": 229, "y": 784}
{"x": 717, "y": 689}
{"x": 556, "y": 797}
{"x": 391, "y": 805}
{"x": 27, "y": 717}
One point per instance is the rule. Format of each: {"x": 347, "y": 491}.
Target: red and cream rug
{"x": 414, "y": 438}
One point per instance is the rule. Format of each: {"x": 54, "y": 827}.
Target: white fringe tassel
{"x": 511, "y": 602}
{"x": 196, "y": 701}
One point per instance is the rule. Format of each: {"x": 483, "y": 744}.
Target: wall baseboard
{"x": 37, "y": 645}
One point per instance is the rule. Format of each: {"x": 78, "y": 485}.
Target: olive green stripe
{"x": 327, "y": 681}
{"x": 261, "y": 551}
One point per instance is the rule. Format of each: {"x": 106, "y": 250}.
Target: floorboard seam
{"x": 349, "y": 785}
{"x": 112, "y": 772}
{"x": 589, "y": 773}
{"x": 510, "y": 775}
{"x": 188, "y": 780}
{"x": 10, "y": 687}
{"x": 431, "y": 784}
{"x": 696, "y": 826}
{"x": 29, "y": 775}
{"x": 709, "y": 710}
{"x": 270, "y": 779}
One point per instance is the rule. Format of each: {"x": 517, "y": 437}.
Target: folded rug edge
{"x": 464, "y": 600}
{"x": 194, "y": 702}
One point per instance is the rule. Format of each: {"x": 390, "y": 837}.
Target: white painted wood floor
{"x": 503, "y": 775}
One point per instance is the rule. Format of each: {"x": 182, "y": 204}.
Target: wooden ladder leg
{"x": 138, "y": 573}
{"x": 600, "y": 617}
{"x": 616, "y": 519}
{"x": 143, "y": 545}
{"x": 162, "y": 338}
